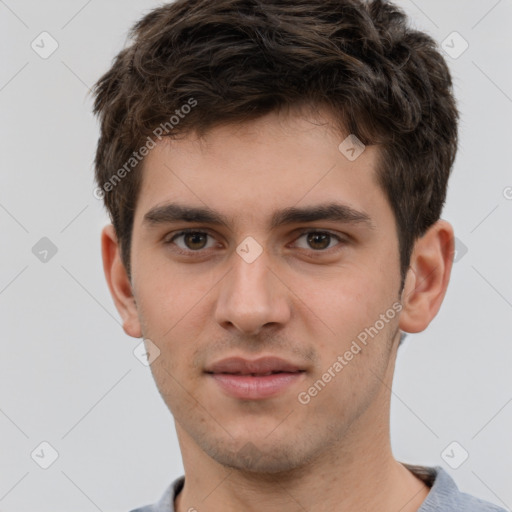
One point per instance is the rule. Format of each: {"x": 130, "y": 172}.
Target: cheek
{"x": 353, "y": 341}
{"x": 347, "y": 310}
{"x": 345, "y": 300}
{"x": 169, "y": 297}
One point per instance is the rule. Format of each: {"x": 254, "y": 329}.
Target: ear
{"x": 118, "y": 282}
{"x": 427, "y": 278}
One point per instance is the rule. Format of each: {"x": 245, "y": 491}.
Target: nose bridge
{"x": 251, "y": 278}
{"x": 250, "y": 296}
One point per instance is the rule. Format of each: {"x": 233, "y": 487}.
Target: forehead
{"x": 250, "y": 170}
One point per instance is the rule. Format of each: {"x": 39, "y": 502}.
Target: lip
{"x": 250, "y": 379}
{"x": 258, "y": 366}
{"x": 248, "y": 387}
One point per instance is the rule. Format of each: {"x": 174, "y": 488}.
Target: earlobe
{"x": 428, "y": 277}
{"x": 118, "y": 282}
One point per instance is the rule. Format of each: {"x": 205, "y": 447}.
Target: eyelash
{"x": 192, "y": 253}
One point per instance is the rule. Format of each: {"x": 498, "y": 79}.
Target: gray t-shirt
{"x": 444, "y": 496}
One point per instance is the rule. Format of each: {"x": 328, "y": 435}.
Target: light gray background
{"x": 68, "y": 373}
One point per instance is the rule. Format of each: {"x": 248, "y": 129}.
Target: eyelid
{"x": 185, "y": 231}
{"x": 170, "y": 237}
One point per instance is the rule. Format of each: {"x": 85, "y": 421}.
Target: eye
{"x": 191, "y": 241}
{"x": 319, "y": 240}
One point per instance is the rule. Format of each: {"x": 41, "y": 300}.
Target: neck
{"x": 359, "y": 472}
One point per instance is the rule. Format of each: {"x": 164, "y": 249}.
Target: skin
{"x": 305, "y": 302}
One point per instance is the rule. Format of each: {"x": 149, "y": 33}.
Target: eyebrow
{"x": 173, "y": 212}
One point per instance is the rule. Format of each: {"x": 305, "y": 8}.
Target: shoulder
{"x": 166, "y": 501}
{"x": 444, "y": 495}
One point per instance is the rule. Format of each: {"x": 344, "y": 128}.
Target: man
{"x": 275, "y": 173}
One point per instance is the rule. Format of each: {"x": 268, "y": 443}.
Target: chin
{"x": 256, "y": 459}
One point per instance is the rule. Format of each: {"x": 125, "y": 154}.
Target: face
{"x": 293, "y": 253}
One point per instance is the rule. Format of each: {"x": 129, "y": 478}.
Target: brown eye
{"x": 195, "y": 241}
{"x": 191, "y": 241}
{"x": 319, "y": 240}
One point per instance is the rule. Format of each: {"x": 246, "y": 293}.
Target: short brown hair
{"x": 236, "y": 60}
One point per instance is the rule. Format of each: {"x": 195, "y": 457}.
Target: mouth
{"x": 253, "y": 374}
{"x": 254, "y": 380}
{"x": 256, "y": 387}
{"x": 262, "y": 366}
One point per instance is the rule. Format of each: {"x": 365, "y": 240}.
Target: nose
{"x": 251, "y": 297}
